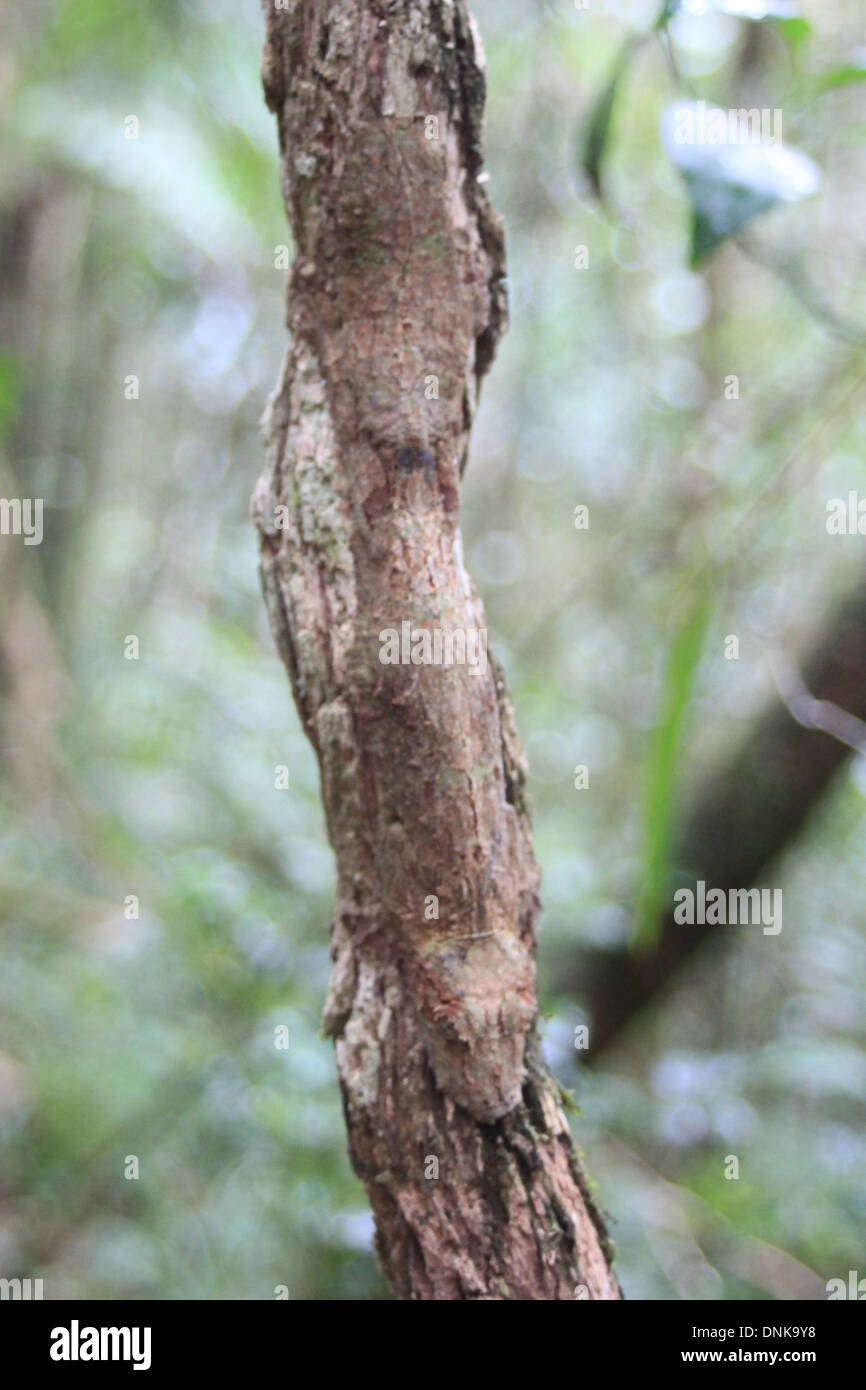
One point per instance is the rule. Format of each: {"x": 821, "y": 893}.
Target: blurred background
{"x": 165, "y": 907}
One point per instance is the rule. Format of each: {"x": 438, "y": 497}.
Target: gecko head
{"x": 477, "y": 1005}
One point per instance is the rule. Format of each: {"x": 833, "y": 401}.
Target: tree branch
{"x": 748, "y": 814}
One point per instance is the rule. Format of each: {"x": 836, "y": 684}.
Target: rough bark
{"x": 731, "y": 839}
{"x": 399, "y": 278}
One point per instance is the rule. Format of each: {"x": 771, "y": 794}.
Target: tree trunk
{"x": 396, "y": 303}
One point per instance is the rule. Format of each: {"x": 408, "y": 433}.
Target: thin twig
{"x": 811, "y": 713}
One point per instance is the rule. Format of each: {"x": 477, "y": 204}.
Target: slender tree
{"x": 396, "y": 303}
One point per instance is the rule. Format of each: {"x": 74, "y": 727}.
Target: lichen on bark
{"x": 399, "y": 281}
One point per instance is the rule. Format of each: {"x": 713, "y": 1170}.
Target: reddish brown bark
{"x": 396, "y": 303}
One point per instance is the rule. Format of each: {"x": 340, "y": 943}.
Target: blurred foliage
{"x": 663, "y": 755}
{"x": 154, "y": 257}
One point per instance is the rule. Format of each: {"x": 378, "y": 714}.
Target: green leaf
{"x": 796, "y": 31}
{"x": 668, "y": 10}
{"x": 718, "y": 211}
{"x": 663, "y": 763}
{"x": 598, "y": 126}
{"x": 248, "y": 173}
{"x": 732, "y": 173}
{"x": 842, "y": 76}
{"x": 10, "y": 391}
{"x": 118, "y": 40}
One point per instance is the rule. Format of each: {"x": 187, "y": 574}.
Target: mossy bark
{"x": 396, "y": 303}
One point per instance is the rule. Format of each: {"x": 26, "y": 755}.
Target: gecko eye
{"x": 412, "y": 456}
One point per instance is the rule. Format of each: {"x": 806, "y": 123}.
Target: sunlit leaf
{"x": 732, "y": 170}
{"x": 796, "y": 31}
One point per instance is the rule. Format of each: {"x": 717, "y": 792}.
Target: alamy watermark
{"x": 712, "y": 907}
{"x": 846, "y": 516}
{"x": 855, "y": 1288}
{"x": 20, "y": 1290}
{"x": 436, "y": 646}
{"x": 22, "y": 516}
{"x": 696, "y": 123}
{"x": 77, "y": 1343}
